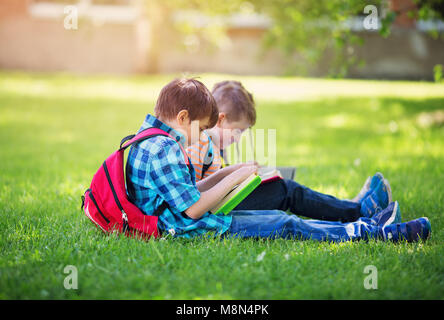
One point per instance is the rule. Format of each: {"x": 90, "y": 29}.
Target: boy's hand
{"x": 251, "y": 163}
{"x": 212, "y": 196}
{"x": 246, "y": 164}
{"x": 243, "y": 173}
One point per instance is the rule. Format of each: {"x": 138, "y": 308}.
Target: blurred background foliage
{"x": 308, "y": 28}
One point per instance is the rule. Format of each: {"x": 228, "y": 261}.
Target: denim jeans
{"x": 288, "y": 195}
{"x": 278, "y": 224}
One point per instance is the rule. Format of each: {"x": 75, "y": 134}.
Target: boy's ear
{"x": 221, "y": 118}
{"x": 182, "y": 117}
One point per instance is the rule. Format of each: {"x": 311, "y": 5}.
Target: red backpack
{"x": 106, "y": 203}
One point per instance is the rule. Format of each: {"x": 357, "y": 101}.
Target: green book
{"x": 235, "y": 196}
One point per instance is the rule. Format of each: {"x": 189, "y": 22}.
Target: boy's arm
{"x": 213, "y": 195}
{"x": 210, "y": 181}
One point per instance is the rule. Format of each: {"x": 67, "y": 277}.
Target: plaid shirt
{"x": 157, "y": 172}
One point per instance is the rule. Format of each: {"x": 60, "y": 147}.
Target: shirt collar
{"x": 152, "y": 122}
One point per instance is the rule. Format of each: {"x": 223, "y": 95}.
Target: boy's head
{"x": 187, "y": 106}
{"x": 236, "y": 111}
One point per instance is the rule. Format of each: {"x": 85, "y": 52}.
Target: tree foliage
{"x": 305, "y": 31}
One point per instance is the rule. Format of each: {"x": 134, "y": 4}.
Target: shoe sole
{"x": 365, "y": 188}
{"x": 369, "y": 187}
{"x": 389, "y": 189}
{"x": 375, "y": 205}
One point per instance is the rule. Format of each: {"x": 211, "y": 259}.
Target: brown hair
{"x": 235, "y": 101}
{"x": 186, "y": 94}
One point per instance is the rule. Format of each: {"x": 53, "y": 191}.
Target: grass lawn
{"x": 56, "y": 130}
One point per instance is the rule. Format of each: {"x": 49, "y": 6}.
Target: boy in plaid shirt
{"x": 158, "y": 176}
{"x": 156, "y": 168}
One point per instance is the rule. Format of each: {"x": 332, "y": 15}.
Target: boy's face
{"x": 196, "y": 129}
{"x": 192, "y": 129}
{"x": 229, "y": 132}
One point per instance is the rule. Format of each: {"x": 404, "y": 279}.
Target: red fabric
{"x": 271, "y": 179}
{"x": 140, "y": 225}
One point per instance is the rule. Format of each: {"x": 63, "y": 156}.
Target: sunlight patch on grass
{"x": 296, "y": 89}
{"x": 268, "y": 88}
{"x": 88, "y": 87}
{"x": 301, "y": 149}
{"x": 343, "y": 120}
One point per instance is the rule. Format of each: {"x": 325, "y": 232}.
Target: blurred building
{"x": 107, "y": 39}
{"x": 39, "y": 35}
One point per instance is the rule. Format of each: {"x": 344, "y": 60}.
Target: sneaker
{"x": 377, "y": 177}
{"x": 365, "y": 188}
{"x": 411, "y": 231}
{"x": 388, "y": 216}
{"x": 369, "y": 184}
{"x": 376, "y": 201}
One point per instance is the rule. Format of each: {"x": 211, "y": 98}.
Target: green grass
{"x": 56, "y": 129}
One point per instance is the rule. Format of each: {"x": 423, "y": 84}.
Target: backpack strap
{"x": 208, "y": 158}
{"x": 160, "y": 209}
{"x": 143, "y": 135}
{"x": 126, "y": 139}
{"x": 148, "y": 133}
{"x": 223, "y": 157}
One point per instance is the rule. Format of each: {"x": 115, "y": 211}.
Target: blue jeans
{"x": 278, "y": 224}
{"x": 288, "y": 195}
